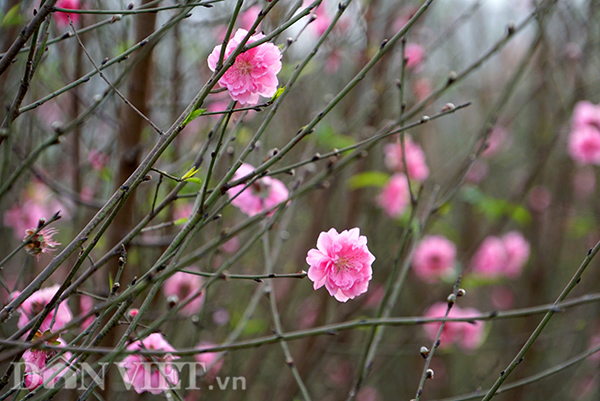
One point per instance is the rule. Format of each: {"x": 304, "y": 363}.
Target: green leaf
{"x": 180, "y": 221}
{"x": 194, "y": 180}
{"x": 277, "y": 94}
{"x": 327, "y": 137}
{"x": 255, "y": 326}
{"x": 368, "y": 179}
{"x": 13, "y": 17}
{"x": 493, "y": 209}
{"x": 190, "y": 173}
{"x": 193, "y": 115}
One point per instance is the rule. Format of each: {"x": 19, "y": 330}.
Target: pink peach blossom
{"x": 342, "y": 262}
{"x": 466, "y": 335}
{"x": 415, "y": 159}
{"x": 395, "y": 196}
{"x": 42, "y": 242}
{"x": 263, "y": 194}
{"x": 414, "y": 55}
{"x": 36, "y": 303}
{"x": 586, "y": 114}
{"x": 154, "y": 375}
{"x": 98, "y": 160}
{"x": 434, "y": 257}
{"x": 37, "y": 369}
{"x": 584, "y": 145}
{"x": 517, "y": 250}
{"x": 539, "y": 199}
{"x": 422, "y": 88}
{"x": 584, "y": 182}
{"x": 211, "y": 361}
{"x": 61, "y": 18}
{"x": 254, "y": 72}
{"x": 231, "y": 246}
{"x": 491, "y": 258}
{"x": 497, "y": 139}
{"x": 184, "y": 286}
{"x": 86, "y": 304}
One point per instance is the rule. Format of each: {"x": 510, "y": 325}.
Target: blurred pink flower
{"x": 154, "y": 375}
{"x": 501, "y": 257}
{"x": 466, "y": 335}
{"x": 477, "y": 172}
{"x": 322, "y": 20}
{"x": 368, "y": 394}
{"x": 248, "y": 17}
{"x": 584, "y": 145}
{"x": 184, "y": 286}
{"x": 497, "y": 139}
{"x": 517, "y": 249}
{"x": 586, "y": 114}
{"x": 502, "y": 297}
{"x": 221, "y": 317}
{"x": 264, "y": 193}
{"x": 254, "y": 71}
{"x": 61, "y": 18}
{"x": 539, "y": 199}
{"x": 342, "y": 262}
{"x": 97, "y": 159}
{"x": 414, "y": 55}
{"x": 415, "y": 159}
{"x": 42, "y": 242}
{"x": 231, "y": 246}
{"x": 86, "y": 304}
{"x": 212, "y": 362}
{"x": 36, "y": 303}
{"x": 395, "y": 195}
{"x": 584, "y": 182}
{"x": 422, "y": 88}
{"x": 37, "y": 370}
{"x": 434, "y": 257}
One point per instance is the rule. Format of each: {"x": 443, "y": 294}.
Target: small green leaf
{"x": 194, "y": 179}
{"x": 190, "y": 173}
{"x": 110, "y": 281}
{"x": 277, "y": 94}
{"x": 193, "y": 115}
{"x": 368, "y": 179}
{"x": 13, "y": 17}
{"x": 180, "y": 221}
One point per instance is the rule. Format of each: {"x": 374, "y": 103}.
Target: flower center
{"x": 244, "y": 67}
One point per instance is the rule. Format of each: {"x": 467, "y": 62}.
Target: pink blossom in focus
{"x": 61, "y": 18}
{"x": 37, "y": 370}
{"x": 517, "y": 250}
{"x": 36, "y": 303}
{"x": 212, "y": 361}
{"x": 154, "y": 375}
{"x": 42, "y": 242}
{"x": 264, "y": 193}
{"x": 584, "y": 145}
{"x": 254, "y": 72}
{"x": 466, "y": 335}
{"x": 342, "y": 262}
{"x": 415, "y": 159}
{"x": 491, "y": 258}
{"x": 414, "y": 55}
{"x": 395, "y": 196}
{"x": 184, "y": 286}
{"x": 586, "y": 114}
{"x": 434, "y": 257}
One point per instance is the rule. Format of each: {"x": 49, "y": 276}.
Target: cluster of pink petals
{"x": 36, "y": 303}
{"x": 434, "y": 257}
{"x": 212, "y": 362}
{"x": 254, "y": 72}
{"x": 415, "y": 159}
{"x": 184, "y": 286}
{"x": 395, "y": 196}
{"x": 466, "y": 335}
{"x": 37, "y": 370}
{"x": 342, "y": 263}
{"x": 584, "y": 139}
{"x": 155, "y": 375}
{"x": 501, "y": 256}
{"x": 414, "y": 55}
{"x": 61, "y": 18}
{"x": 42, "y": 242}
{"x": 263, "y": 194}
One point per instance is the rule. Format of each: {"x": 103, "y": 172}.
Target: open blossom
{"x": 466, "y": 335}
{"x": 36, "y": 303}
{"x": 263, "y": 194}
{"x": 434, "y": 257}
{"x": 342, "y": 262}
{"x": 414, "y": 55}
{"x": 156, "y": 374}
{"x": 61, "y": 17}
{"x": 212, "y": 362}
{"x": 184, "y": 286}
{"x": 254, "y": 72}
{"x": 501, "y": 257}
{"x": 395, "y": 196}
{"x": 584, "y": 145}
{"x": 415, "y": 159}
{"x": 42, "y": 242}
{"x": 37, "y": 369}
{"x": 586, "y": 114}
